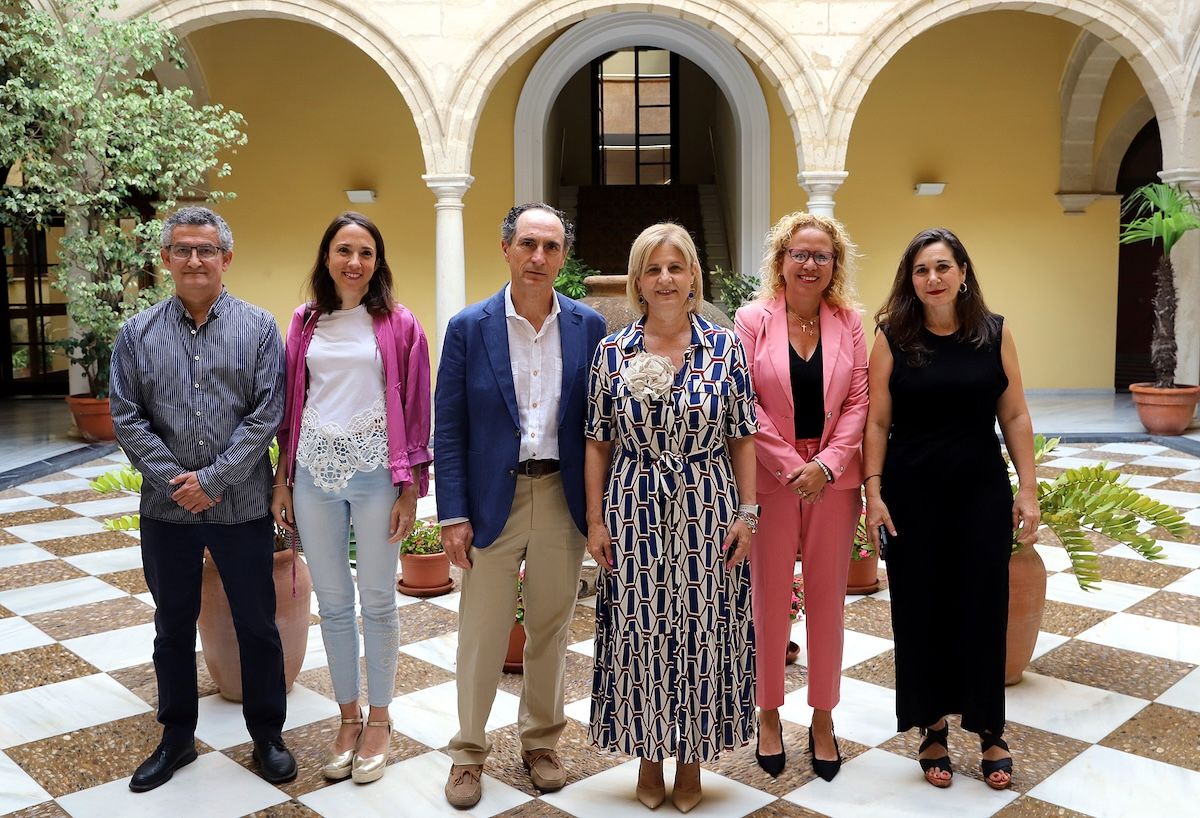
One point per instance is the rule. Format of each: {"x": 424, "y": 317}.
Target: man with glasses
{"x": 197, "y": 395}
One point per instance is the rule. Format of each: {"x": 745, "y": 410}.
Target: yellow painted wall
{"x": 322, "y": 117}
{"x": 958, "y": 106}
{"x": 1123, "y": 90}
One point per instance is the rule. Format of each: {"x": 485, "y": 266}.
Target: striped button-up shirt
{"x": 206, "y": 399}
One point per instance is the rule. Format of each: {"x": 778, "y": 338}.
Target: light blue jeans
{"x": 324, "y": 523}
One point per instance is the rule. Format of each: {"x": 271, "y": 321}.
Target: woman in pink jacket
{"x": 808, "y": 362}
{"x": 354, "y": 442}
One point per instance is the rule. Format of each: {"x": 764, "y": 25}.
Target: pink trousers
{"x": 821, "y": 534}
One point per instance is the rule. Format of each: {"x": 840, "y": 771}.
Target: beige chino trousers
{"x": 541, "y": 532}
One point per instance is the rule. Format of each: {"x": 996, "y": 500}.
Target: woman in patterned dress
{"x": 354, "y": 441}
{"x": 669, "y": 473}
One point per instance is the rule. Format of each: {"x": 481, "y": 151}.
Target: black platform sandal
{"x": 933, "y": 737}
{"x": 1000, "y": 765}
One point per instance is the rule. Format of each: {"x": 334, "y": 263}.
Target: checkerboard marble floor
{"x": 1106, "y": 721}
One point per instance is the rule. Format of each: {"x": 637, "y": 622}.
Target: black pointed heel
{"x": 932, "y": 737}
{"x": 827, "y": 770}
{"x": 999, "y": 765}
{"x": 772, "y": 765}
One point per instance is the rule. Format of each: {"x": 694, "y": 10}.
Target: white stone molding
{"x": 450, "y": 259}
{"x": 1112, "y": 152}
{"x": 1080, "y": 94}
{"x": 346, "y": 20}
{"x": 821, "y": 186}
{"x": 1128, "y": 26}
{"x": 728, "y": 69}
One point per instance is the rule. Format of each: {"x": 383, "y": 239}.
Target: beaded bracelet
{"x": 825, "y": 470}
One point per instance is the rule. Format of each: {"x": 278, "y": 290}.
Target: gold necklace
{"x": 807, "y": 325}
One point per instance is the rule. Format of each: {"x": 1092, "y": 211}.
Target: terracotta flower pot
{"x": 514, "y": 659}
{"x": 425, "y": 574}
{"x": 864, "y": 575}
{"x": 93, "y": 418}
{"x": 218, "y": 639}
{"x": 1026, "y": 601}
{"x": 1165, "y": 411}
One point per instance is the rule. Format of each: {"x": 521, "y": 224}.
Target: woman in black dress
{"x": 943, "y": 370}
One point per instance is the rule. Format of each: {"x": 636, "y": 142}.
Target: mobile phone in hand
{"x": 883, "y": 542}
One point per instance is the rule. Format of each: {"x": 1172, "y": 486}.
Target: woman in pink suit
{"x": 808, "y": 363}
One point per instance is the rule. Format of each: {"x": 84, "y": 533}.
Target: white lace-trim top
{"x": 343, "y": 429}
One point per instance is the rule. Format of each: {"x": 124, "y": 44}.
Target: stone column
{"x": 450, "y": 259}
{"x": 1186, "y": 260}
{"x": 820, "y": 186}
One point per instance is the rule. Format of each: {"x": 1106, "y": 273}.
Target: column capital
{"x": 820, "y": 186}
{"x": 1186, "y": 178}
{"x": 449, "y": 188}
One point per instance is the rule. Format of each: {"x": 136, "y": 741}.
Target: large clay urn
{"x": 1026, "y": 601}
{"x": 218, "y": 639}
{"x": 514, "y": 657}
{"x": 607, "y": 297}
{"x": 92, "y": 417}
{"x": 1166, "y": 411}
{"x": 863, "y": 577}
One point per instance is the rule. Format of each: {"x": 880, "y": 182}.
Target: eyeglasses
{"x": 204, "y": 252}
{"x": 801, "y": 256}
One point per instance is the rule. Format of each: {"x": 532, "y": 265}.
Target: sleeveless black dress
{"x": 947, "y": 488}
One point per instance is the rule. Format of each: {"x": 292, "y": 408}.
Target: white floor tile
{"x": 440, "y": 650}
{"x": 17, "y": 634}
{"x": 1143, "y": 481}
{"x": 212, "y": 786}
{"x": 56, "y": 486}
{"x": 1067, "y": 708}
{"x": 28, "y": 503}
{"x": 1184, "y": 694}
{"x": 117, "y": 504}
{"x": 431, "y": 715}
{"x": 1144, "y": 634}
{"x": 1054, "y": 557}
{"x": 883, "y": 596}
{"x": 588, "y": 602}
{"x": 106, "y": 562}
{"x": 56, "y": 529}
{"x": 52, "y": 596}
{"x": 92, "y": 472}
{"x": 1067, "y": 451}
{"x": 17, "y": 789}
{"x": 447, "y": 601}
{"x": 866, "y": 713}
{"x": 857, "y": 647}
{"x": 1112, "y": 596}
{"x": 222, "y": 725}
{"x": 1173, "y": 553}
{"x": 113, "y": 650}
{"x": 22, "y": 554}
{"x": 580, "y": 710}
{"x": 41, "y": 712}
{"x": 1187, "y": 584}
{"x": 1073, "y": 462}
{"x": 147, "y": 597}
{"x": 413, "y": 787}
{"x": 587, "y": 647}
{"x": 1179, "y": 499}
{"x": 1191, "y": 476}
{"x": 610, "y": 794}
{"x": 880, "y": 784}
{"x": 1168, "y": 462}
{"x": 1143, "y": 449}
{"x": 1047, "y": 642}
{"x": 1098, "y": 782}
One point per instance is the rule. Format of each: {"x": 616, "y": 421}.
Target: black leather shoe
{"x": 826, "y": 769}
{"x": 161, "y": 765}
{"x": 275, "y": 761}
{"x": 773, "y": 765}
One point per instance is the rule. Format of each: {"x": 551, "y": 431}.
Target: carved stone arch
{"x": 342, "y": 19}
{"x": 1112, "y": 152}
{"x": 1080, "y": 94}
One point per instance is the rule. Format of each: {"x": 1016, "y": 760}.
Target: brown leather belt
{"x": 537, "y": 468}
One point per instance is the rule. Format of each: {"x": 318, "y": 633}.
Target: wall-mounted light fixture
{"x": 929, "y": 188}
{"x": 360, "y": 196}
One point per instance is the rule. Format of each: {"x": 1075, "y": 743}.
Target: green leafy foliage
{"x": 1092, "y": 500}
{"x": 570, "y": 277}
{"x": 425, "y": 538}
{"x": 735, "y": 290}
{"x": 96, "y": 142}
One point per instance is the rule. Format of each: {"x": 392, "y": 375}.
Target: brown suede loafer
{"x": 462, "y": 787}
{"x": 545, "y": 770}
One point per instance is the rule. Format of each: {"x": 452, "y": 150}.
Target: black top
{"x": 808, "y": 392}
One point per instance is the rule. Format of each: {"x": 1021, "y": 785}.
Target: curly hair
{"x": 902, "y": 316}
{"x": 649, "y": 240}
{"x": 378, "y": 300}
{"x": 840, "y": 291}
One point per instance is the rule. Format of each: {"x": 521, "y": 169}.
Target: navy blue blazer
{"x": 477, "y": 426}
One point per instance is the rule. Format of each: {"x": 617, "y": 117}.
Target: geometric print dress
{"x": 674, "y": 666}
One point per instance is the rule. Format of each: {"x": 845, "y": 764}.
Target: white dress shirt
{"x": 536, "y": 358}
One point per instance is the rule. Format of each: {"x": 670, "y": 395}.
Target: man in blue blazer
{"x": 510, "y": 405}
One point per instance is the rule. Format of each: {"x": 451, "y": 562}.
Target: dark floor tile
{"x": 1070, "y": 620}
{"x": 1029, "y": 807}
{"x": 88, "y": 543}
{"x": 35, "y": 667}
{"x": 873, "y": 616}
{"x": 95, "y": 617}
{"x": 1108, "y": 668}
{"x": 37, "y": 573}
{"x": 1161, "y": 733}
{"x": 580, "y": 758}
{"x": 1168, "y": 605}
{"x": 36, "y": 515}
{"x": 132, "y": 581}
{"x": 878, "y": 670}
{"x": 424, "y": 620}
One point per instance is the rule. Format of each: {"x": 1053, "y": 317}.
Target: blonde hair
{"x": 840, "y": 292}
{"x": 649, "y": 240}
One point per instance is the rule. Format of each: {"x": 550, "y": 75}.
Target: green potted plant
{"x": 863, "y": 577}
{"x": 514, "y": 657}
{"x": 797, "y": 611}
{"x": 1079, "y": 504}
{"x": 100, "y": 146}
{"x": 1162, "y": 212}
{"x": 424, "y": 566}
{"x": 218, "y": 639}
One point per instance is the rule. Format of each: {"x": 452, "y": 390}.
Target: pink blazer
{"x": 762, "y": 328}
